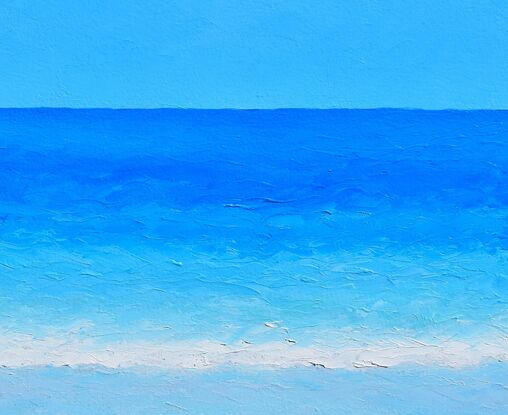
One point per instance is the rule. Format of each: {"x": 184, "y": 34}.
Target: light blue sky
{"x": 254, "y": 54}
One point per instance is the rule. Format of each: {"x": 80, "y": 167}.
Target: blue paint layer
{"x": 254, "y": 54}
{"x": 212, "y": 222}
{"x": 229, "y": 391}
{"x": 178, "y": 225}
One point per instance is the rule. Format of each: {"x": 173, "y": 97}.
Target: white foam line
{"x": 23, "y": 351}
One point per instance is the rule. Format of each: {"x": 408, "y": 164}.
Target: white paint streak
{"x": 27, "y": 351}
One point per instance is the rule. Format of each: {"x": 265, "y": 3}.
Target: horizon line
{"x": 260, "y": 109}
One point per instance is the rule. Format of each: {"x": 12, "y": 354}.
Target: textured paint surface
{"x": 339, "y": 261}
{"x": 434, "y": 54}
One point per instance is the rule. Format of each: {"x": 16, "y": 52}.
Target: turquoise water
{"x": 341, "y": 228}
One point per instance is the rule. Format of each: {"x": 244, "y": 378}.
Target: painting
{"x": 254, "y": 207}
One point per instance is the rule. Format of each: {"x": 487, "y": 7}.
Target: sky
{"x": 254, "y": 54}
